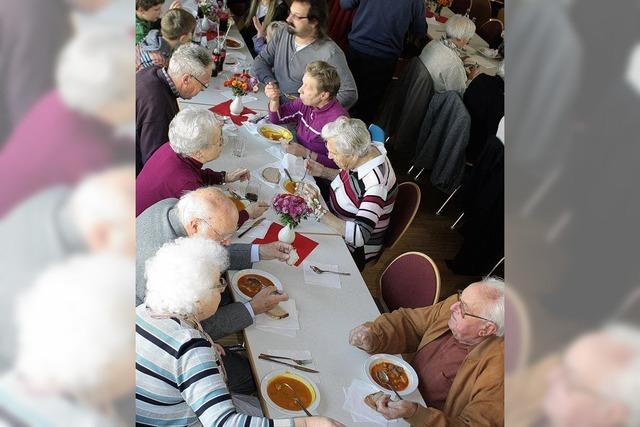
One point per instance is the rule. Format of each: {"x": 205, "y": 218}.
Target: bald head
{"x": 209, "y": 213}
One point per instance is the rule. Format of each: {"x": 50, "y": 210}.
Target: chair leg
{"x": 457, "y": 221}
{"x": 410, "y": 169}
{"x": 419, "y": 173}
{"x": 495, "y": 266}
{"x": 439, "y": 211}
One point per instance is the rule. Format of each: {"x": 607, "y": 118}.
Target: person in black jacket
{"x": 260, "y": 14}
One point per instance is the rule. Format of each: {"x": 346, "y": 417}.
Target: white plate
{"x": 300, "y": 377}
{"x": 377, "y": 358}
{"x": 239, "y": 274}
{"x": 240, "y": 42}
{"x": 488, "y": 53}
{"x": 286, "y": 132}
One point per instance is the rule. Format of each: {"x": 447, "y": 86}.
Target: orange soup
{"x": 283, "y": 396}
{"x": 238, "y": 203}
{"x": 250, "y": 284}
{"x": 272, "y": 134}
{"x": 397, "y": 376}
{"x": 290, "y": 186}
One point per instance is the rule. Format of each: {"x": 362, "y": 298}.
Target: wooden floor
{"x": 431, "y": 235}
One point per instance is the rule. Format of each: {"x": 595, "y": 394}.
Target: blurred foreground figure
{"x": 95, "y": 216}
{"x": 594, "y": 383}
{"x": 72, "y": 130}
{"x": 75, "y": 347}
{"x": 32, "y": 33}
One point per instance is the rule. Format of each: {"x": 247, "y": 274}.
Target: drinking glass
{"x": 239, "y": 145}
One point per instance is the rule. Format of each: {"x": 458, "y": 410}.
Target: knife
{"x": 250, "y": 227}
{"x": 291, "y": 365}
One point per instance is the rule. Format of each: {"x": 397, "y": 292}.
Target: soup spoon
{"x": 294, "y": 397}
{"x": 382, "y": 376}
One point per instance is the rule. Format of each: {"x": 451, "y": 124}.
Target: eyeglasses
{"x": 221, "y": 238}
{"x": 206, "y": 86}
{"x": 465, "y": 313}
{"x": 297, "y": 17}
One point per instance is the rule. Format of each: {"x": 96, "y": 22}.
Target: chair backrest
{"x": 411, "y": 280}
{"x": 517, "y": 332}
{"x": 377, "y": 133}
{"x": 461, "y": 7}
{"x": 501, "y": 15}
{"x": 404, "y": 210}
{"x": 491, "y": 32}
{"x": 481, "y": 11}
{"x": 340, "y": 23}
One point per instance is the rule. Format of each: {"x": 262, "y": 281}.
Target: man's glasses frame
{"x": 206, "y": 86}
{"x": 465, "y": 313}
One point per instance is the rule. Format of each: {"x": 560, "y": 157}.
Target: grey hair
{"x": 189, "y": 58}
{"x": 625, "y": 385}
{"x": 73, "y": 302}
{"x": 182, "y": 273}
{"x": 460, "y": 27}
{"x": 96, "y": 62}
{"x": 351, "y": 136}
{"x": 191, "y": 130}
{"x": 495, "y": 311}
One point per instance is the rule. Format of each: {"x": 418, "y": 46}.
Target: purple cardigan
{"x": 169, "y": 175}
{"x": 310, "y": 121}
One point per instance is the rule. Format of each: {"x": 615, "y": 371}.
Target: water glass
{"x": 239, "y": 145}
{"x": 252, "y": 192}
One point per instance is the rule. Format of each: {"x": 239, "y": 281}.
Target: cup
{"x": 239, "y": 145}
{"x": 252, "y": 191}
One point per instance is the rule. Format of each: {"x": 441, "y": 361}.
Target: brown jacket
{"x": 477, "y": 393}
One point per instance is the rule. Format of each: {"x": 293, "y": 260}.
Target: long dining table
{"x": 325, "y": 314}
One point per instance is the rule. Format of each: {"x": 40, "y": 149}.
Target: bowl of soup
{"x": 401, "y": 375}
{"x": 279, "y": 388}
{"x": 237, "y": 202}
{"x": 289, "y": 186}
{"x": 247, "y": 283}
{"x": 274, "y": 133}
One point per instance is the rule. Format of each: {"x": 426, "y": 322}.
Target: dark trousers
{"x": 372, "y": 75}
{"x": 239, "y": 376}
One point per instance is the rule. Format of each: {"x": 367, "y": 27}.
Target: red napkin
{"x": 442, "y": 19}
{"x": 303, "y": 245}
{"x": 211, "y": 35}
{"x": 223, "y": 110}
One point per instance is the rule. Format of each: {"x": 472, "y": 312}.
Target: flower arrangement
{"x": 444, "y": 3}
{"x": 208, "y": 7}
{"x": 241, "y": 83}
{"x": 291, "y": 209}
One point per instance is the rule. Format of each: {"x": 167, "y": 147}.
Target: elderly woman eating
{"x": 316, "y": 107}
{"x": 180, "y": 380}
{"x": 444, "y": 58}
{"x": 195, "y": 138}
{"x": 362, "y": 192}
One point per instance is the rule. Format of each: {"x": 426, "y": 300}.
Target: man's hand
{"x": 176, "y": 5}
{"x": 362, "y": 337}
{"x": 295, "y": 149}
{"x": 314, "y": 168}
{"x": 259, "y": 27}
{"x": 392, "y": 410}
{"x": 266, "y": 299}
{"x": 256, "y": 209}
{"x": 238, "y": 175}
{"x": 275, "y": 250}
{"x": 272, "y": 91}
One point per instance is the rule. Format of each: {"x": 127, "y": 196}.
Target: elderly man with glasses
{"x": 157, "y": 91}
{"x": 458, "y": 345}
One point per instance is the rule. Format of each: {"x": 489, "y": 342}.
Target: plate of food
{"x": 401, "y": 375}
{"x": 236, "y": 201}
{"x": 271, "y": 175}
{"x": 281, "y": 387}
{"x": 234, "y": 43}
{"x": 489, "y": 53}
{"x": 247, "y": 283}
{"x": 274, "y": 133}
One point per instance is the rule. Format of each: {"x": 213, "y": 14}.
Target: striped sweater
{"x": 178, "y": 378}
{"x": 309, "y": 122}
{"x": 364, "y": 198}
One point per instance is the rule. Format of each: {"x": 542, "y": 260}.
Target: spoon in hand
{"x": 382, "y": 376}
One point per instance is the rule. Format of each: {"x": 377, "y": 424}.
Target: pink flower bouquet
{"x": 291, "y": 209}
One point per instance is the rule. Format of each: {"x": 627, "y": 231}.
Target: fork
{"x": 320, "y": 271}
{"x": 298, "y": 361}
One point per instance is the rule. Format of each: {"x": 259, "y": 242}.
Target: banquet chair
{"x": 501, "y": 15}
{"x": 376, "y": 132}
{"x": 340, "y": 23}
{"x": 480, "y": 12}
{"x": 491, "y": 32}
{"x": 517, "y": 332}
{"x": 404, "y": 211}
{"x": 411, "y": 280}
{"x": 461, "y": 7}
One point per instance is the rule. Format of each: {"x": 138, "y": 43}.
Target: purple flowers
{"x": 291, "y": 208}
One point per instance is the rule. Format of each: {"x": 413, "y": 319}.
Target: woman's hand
{"x": 314, "y": 168}
{"x": 176, "y": 5}
{"x": 272, "y": 91}
{"x": 296, "y": 149}
{"x": 259, "y": 27}
{"x": 238, "y": 175}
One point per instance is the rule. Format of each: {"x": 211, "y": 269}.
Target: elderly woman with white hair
{"x": 177, "y": 363}
{"x": 444, "y": 57}
{"x": 195, "y": 138}
{"x": 363, "y": 190}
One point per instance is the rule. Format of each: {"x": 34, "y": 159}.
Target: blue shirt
{"x": 379, "y": 26}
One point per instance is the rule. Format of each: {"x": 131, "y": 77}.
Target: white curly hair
{"x": 181, "y": 273}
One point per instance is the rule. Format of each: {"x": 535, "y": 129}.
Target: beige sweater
{"x": 477, "y": 393}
